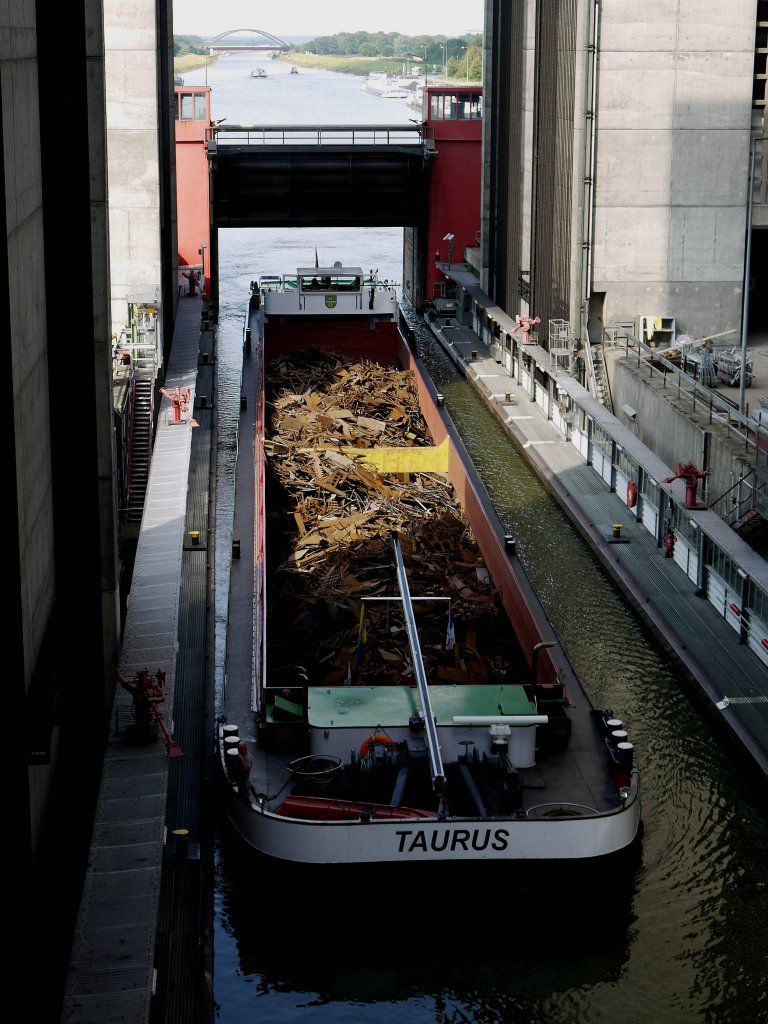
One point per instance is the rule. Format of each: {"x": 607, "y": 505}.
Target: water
{"x": 681, "y": 937}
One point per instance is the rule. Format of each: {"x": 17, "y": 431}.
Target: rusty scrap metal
{"x": 335, "y": 514}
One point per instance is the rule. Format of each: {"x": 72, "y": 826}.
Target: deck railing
{"x": 316, "y": 135}
{"x": 718, "y": 408}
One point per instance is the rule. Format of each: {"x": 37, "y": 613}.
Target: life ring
{"x": 631, "y": 494}
{"x": 371, "y": 741}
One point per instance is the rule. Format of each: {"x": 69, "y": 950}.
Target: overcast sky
{"x": 327, "y": 17}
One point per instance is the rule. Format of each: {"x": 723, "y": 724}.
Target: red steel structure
{"x": 193, "y": 129}
{"x": 453, "y": 126}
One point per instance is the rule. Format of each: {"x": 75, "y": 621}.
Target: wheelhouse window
{"x": 192, "y": 106}
{"x": 336, "y": 283}
{"x": 455, "y": 106}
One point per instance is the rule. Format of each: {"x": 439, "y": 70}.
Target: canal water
{"x": 681, "y": 936}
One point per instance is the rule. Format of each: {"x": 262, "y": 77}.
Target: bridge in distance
{"x": 265, "y": 41}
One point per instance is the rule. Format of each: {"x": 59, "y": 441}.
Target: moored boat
{"x": 394, "y": 687}
{"x": 378, "y": 83}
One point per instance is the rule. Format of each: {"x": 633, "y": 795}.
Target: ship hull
{"x": 532, "y": 769}
{"x": 416, "y": 841}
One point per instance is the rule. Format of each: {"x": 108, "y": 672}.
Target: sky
{"x": 327, "y": 17}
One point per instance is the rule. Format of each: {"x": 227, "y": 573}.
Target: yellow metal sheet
{"x": 403, "y": 460}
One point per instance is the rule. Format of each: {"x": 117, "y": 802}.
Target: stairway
{"x": 597, "y": 375}
{"x": 141, "y": 445}
{"x": 602, "y": 392}
{"x": 753, "y": 528}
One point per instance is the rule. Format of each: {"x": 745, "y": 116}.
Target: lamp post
{"x": 414, "y": 56}
{"x": 445, "y": 60}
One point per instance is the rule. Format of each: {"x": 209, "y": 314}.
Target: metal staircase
{"x": 138, "y": 356}
{"x": 140, "y": 449}
{"x": 753, "y": 528}
{"x": 597, "y": 375}
{"x": 749, "y": 509}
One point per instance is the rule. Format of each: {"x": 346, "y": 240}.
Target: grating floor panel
{"x": 119, "y": 967}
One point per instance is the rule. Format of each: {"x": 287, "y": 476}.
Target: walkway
{"x": 142, "y": 948}
{"x": 730, "y": 678}
{"x": 141, "y": 939}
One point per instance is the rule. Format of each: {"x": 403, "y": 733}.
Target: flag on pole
{"x": 316, "y": 260}
{"x": 450, "y": 635}
{"x": 362, "y": 636}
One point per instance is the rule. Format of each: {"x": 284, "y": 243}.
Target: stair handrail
{"x": 592, "y": 377}
{"x": 590, "y": 366}
{"x": 129, "y": 440}
{"x": 151, "y": 393}
{"x": 749, "y": 431}
{"x": 757, "y": 499}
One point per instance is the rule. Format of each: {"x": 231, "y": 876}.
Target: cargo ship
{"x": 393, "y": 689}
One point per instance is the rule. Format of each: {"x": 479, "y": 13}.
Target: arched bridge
{"x": 301, "y": 176}
{"x": 215, "y": 44}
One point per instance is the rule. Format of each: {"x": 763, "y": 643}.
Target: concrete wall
{"x": 674, "y": 109}
{"x": 672, "y": 428}
{"x": 130, "y": 39}
{"x": 32, "y": 490}
{"x": 664, "y": 222}
{"x": 62, "y": 562}
{"x": 527, "y": 102}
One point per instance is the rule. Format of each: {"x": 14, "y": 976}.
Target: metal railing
{"x": 719, "y": 409}
{"x": 589, "y": 364}
{"x": 316, "y": 135}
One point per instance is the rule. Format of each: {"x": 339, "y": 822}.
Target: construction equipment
{"x": 729, "y": 365}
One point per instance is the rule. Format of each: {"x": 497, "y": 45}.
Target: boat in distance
{"x": 379, "y": 83}
{"x": 393, "y": 689}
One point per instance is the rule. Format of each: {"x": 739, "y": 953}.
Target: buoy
{"x": 372, "y": 740}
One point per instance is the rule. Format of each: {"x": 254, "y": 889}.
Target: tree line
{"x": 462, "y": 56}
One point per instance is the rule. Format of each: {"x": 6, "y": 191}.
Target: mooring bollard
{"x": 181, "y": 836}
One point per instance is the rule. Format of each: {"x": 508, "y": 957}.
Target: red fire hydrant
{"x": 689, "y": 472}
{"x": 179, "y": 399}
{"x": 669, "y": 543}
{"x": 147, "y": 692}
{"x": 526, "y": 325}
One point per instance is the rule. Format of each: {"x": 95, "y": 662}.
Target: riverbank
{"x": 192, "y": 61}
{"x": 361, "y": 66}
{"x": 342, "y": 65}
